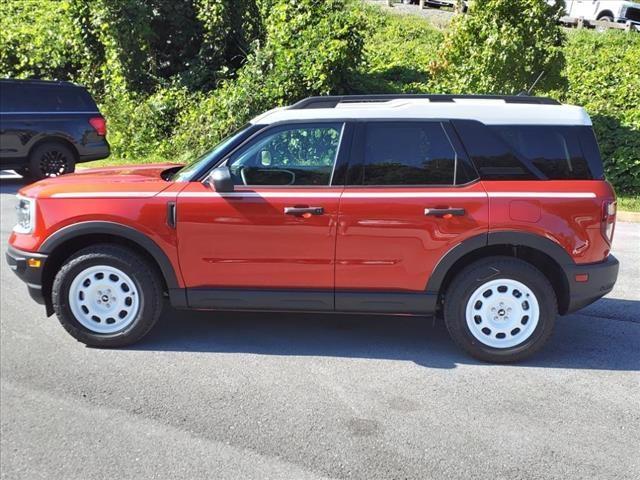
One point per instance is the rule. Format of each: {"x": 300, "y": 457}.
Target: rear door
{"x": 411, "y": 196}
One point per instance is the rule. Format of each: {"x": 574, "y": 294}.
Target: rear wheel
{"x": 51, "y": 159}
{"x": 107, "y": 296}
{"x": 500, "y": 309}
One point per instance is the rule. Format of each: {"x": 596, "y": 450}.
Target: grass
{"x": 629, "y": 204}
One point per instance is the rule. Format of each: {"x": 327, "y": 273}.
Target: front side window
{"x": 408, "y": 153}
{"x": 302, "y": 154}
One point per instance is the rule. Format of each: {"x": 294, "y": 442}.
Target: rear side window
{"x": 554, "y": 150}
{"x": 493, "y": 157}
{"x": 45, "y": 98}
{"x": 407, "y": 153}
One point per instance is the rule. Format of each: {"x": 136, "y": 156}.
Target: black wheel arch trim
{"x": 538, "y": 242}
{"x": 117, "y": 229}
{"x": 53, "y": 138}
{"x": 523, "y": 239}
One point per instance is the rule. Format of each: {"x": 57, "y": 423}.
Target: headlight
{"x": 26, "y": 213}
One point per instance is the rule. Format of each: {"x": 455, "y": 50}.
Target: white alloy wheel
{"x": 104, "y": 299}
{"x": 502, "y": 313}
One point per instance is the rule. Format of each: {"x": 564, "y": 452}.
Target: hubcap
{"x": 104, "y": 299}
{"x": 502, "y": 313}
{"x": 53, "y": 163}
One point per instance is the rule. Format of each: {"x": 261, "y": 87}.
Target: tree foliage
{"x": 174, "y": 76}
{"x": 603, "y": 70}
{"x": 501, "y": 46}
{"x": 310, "y": 48}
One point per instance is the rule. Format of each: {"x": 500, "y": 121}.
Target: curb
{"x": 633, "y": 217}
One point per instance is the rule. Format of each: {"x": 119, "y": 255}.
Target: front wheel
{"x": 500, "y": 309}
{"x": 107, "y": 296}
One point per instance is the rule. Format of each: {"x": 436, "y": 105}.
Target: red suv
{"x": 491, "y": 212}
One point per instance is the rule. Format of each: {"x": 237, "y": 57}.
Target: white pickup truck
{"x": 620, "y": 11}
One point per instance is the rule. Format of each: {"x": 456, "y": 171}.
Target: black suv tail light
{"x": 99, "y": 124}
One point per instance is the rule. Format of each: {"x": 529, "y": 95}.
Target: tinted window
{"x": 292, "y": 155}
{"x": 555, "y": 150}
{"x": 591, "y": 151}
{"x": 493, "y": 157}
{"x": 45, "y": 98}
{"x": 408, "y": 153}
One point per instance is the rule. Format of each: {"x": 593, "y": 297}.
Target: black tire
{"x": 51, "y": 159}
{"x": 606, "y": 18}
{"x": 141, "y": 272}
{"x": 470, "y": 279}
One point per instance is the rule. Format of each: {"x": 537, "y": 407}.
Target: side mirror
{"x": 220, "y": 180}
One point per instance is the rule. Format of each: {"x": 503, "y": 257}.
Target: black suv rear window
{"x": 554, "y": 150}
{"x": 26, "y": 97}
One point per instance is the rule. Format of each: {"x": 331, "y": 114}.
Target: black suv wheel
{"x": 51, "y": 159}
{"x": 500, "y": 309}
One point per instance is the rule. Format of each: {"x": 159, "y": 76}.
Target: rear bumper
{"x": 602, "y": 278}
{"x": 94, "y": 151}
{"x": 18, "y": 261}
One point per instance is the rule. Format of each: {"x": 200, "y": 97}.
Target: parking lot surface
{"x": 270, "y": 396}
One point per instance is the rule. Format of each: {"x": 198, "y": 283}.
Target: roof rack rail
{"x": 37, "y": 81}
{"x": 331, "y": 101}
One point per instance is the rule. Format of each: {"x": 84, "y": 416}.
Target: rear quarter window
{"x": 554, "y": 150}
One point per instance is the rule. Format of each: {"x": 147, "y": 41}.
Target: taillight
{"x": 99, "y": 124}
{"x": 608, "y": 219}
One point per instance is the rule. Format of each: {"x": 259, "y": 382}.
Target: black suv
{"x": 47, "y": 127}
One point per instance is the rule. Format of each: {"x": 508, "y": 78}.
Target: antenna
{"x": 535, "y": 83}
{"x": 526, "y": 93}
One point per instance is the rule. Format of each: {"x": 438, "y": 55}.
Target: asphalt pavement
{"x": 282, "y": 396}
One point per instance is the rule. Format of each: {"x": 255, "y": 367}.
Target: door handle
{"x": 441, "y": 212}
{"x": 300, "y": 211}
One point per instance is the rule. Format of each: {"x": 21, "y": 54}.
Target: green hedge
{"x": 603, "y": 72}
{"x": 174, "y": 76}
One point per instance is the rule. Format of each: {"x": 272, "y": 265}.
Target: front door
{"x": 411, "y": 197}
{"x": 271, "y": 242}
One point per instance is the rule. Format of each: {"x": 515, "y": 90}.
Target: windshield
{"x": 187, "y": 172}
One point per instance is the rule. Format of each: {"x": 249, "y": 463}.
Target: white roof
{"x": 488, "y": 111}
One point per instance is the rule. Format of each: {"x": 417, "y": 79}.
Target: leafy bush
{"x": 396, "y": 55}
{"x": 46, "y": 45}
{"x": 310, "y": 48}
{"x": 501, "y": 46}
{"x": 174, "y": 76}
{"x": 603, "y": 71}
{"x": 140, "y": 126}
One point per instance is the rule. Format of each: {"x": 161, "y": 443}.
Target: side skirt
{"x": 309, "y": 301}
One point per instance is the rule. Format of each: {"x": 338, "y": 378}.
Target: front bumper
{"x": 18, "y": 261}
{"x": 602, "y": 278}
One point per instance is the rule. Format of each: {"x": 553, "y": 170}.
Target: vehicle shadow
{"x": 579, "y": 341}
